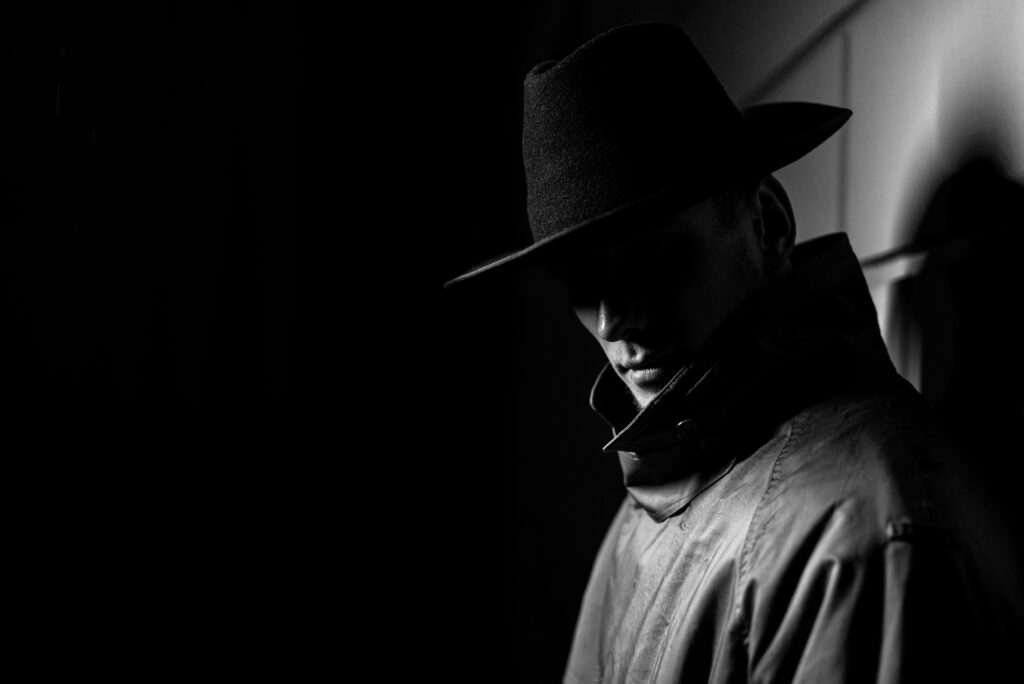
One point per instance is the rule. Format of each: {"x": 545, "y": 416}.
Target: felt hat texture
{"x": 633, "y": 126}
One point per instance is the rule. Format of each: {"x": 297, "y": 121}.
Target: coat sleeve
{"x": 904, "y": 608}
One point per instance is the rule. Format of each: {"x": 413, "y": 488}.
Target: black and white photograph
{"x": 666, "y": 341}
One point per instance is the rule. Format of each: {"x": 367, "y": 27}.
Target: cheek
{"x": 723, "y": 288}
{"x": 685, "y": 318}
{"x": 696, "y": 307}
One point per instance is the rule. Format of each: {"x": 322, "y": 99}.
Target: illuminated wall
{"x": 930, "y": 83}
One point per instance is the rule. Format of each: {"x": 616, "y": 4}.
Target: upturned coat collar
{"x": 809, "y": 333}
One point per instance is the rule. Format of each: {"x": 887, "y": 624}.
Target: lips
{"x": 650, "y": 372}
{"x": 646, "y": 374}
{"x": 647, "y": 378}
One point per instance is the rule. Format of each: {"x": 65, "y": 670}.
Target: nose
{"x": 616, "y": 317}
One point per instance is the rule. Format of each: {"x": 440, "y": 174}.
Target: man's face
{"x": 651, "y": 301}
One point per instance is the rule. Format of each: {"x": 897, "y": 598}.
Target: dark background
{"x": 149, "y": 210}
{"x": 162, "y": 386}
{"x": 239, "y": 423}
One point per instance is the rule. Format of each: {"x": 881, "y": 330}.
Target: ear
{"x": 777, "y": 227}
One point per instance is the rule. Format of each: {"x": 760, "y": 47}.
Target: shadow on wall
{"x": 954, "y": 323}
{"x": 958, "y": 321}
{"x": 960, "y": 307}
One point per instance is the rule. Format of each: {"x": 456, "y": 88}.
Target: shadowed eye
{"x": 581, "y": 281}
{"x": 633, "y": 269}
{"x": 652, "y": 260}
{"x": 582, "y": 290}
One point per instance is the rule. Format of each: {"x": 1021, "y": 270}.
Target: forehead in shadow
{"x": 652, "y": 253}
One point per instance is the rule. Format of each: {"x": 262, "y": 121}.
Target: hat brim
{"x": 779, "y": 134}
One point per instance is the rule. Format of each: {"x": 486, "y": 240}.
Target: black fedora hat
{"x": 632, "y": 126}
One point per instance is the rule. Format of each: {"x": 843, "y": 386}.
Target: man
{"x": 792, "y": 513}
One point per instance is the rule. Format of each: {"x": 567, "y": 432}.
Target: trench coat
{"x": 792, "y": 512}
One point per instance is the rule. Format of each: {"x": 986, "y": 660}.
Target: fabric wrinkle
{"x": 787, "y": 550}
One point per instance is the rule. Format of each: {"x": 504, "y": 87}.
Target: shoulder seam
{"x": 755, "y": 528}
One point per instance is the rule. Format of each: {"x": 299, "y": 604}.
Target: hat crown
{"x": 633, "y": 126}
{"x": 634, "y": 112}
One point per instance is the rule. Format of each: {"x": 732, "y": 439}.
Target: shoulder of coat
{"x": 873, "y": 463}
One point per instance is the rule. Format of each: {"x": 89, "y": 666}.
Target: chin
{"x": 641, "y": 398}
